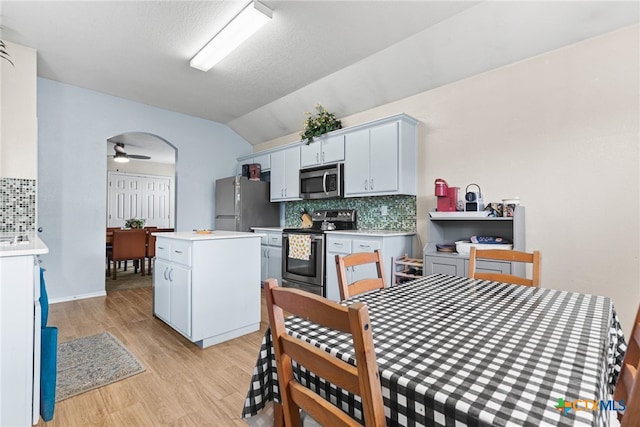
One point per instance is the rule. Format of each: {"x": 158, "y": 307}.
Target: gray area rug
{"x": 91, "y": 362}
{"x": 127, "y": 280}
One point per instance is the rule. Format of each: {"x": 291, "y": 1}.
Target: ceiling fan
{"x": 121, "y": 156}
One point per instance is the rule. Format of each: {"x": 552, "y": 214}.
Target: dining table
{"x": 455, "y": 351}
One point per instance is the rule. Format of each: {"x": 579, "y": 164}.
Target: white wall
{"x": 74, "y": 125}
{"x": 561, "y": 131}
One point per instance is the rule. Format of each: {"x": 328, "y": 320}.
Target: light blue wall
{"x": 73, "y": 126}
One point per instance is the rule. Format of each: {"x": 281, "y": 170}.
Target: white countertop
{"x": 215, "y": 235}
{"x": 34, "y": 246}
{"x": 374, "y": 233}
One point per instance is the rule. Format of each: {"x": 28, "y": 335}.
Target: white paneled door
{"x": 139, "y": 196}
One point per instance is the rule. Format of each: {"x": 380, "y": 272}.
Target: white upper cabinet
{"x": 381, "y": 158}
{"x": 323, "y": 150}
{"x": 264, "y": 160}
{"x": 285, "y": 174}
{"x": 19, "y": 133}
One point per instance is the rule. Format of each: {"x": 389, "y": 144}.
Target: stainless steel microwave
{"x": 322, "y": 182}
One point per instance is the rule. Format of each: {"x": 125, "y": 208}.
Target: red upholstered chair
{"x": 128, "y": 244}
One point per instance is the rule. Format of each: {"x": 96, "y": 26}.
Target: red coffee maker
{"x": 447, "y": 196}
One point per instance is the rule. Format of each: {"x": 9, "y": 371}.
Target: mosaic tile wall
{"x": 401, "y": 211}
{"x": 17, "y": 205}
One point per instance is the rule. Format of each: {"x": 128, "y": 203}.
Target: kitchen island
{"x": 207, "y": 286}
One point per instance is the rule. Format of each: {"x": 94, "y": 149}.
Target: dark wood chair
{"x": 505, "y": 255}
{"x": 364, "y": 285}
{"x": 128, "y": 245}
{"x": 628, "y": 387}
{"x": 362, "y": 380}
{"x": 150, "y": 247}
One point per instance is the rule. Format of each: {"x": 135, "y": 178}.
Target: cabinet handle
{"x": 171, "y": 275}
{"x": 285, "y": 192}
{"x": 371, "y": 182}
{"x": 282, "y": 192}
{"x": 323, "y": 156}
{"x": 365, "y": 184}
{"x": 338, "y": 244}
{"x": 165, "y": 273}
{"x": 161, "y": 247}
{"x": 317, "y": 159}
{"x": 178, "y": 252}
{"x": 365, "y": 246}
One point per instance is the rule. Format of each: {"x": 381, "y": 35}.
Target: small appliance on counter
{"x": 473, "y": 199}
{"x": 447, "y": 196}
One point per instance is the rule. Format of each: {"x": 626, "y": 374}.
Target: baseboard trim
{"x": 76, "y": 297}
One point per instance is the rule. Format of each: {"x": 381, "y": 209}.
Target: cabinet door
{"x": 444, "y": 265}
{"x": 277, "y": 176}
{"x": 356, "y": 164}
{"x": 383, "y": 158}
{"x": 292, "y": 173}
{"x": 335, "y": 246}
{"x": 180, "y": 295}
{"x": 161, "y": 290}
{"x": 310, "y": 154}
{"x": 264, "y": 160}
{"x": 332, "y": 149}
{"x": 264, "y": 265}
{"x": 274, "y": 261}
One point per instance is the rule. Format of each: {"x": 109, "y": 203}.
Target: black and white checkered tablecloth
{"x": 458, "y": 351}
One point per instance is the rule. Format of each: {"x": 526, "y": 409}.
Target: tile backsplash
{"x": 401, "y": 211}
{"x": 17, "y": 205}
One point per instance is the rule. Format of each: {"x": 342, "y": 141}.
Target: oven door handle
{"x": 314, "y": 237}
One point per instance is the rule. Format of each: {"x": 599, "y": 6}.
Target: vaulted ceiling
{"x": 348, "y": 56}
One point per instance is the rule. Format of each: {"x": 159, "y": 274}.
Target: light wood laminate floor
{"x": 183, "y": 385}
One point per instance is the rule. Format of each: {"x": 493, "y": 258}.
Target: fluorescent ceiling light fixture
{"x": 239, "y": 29}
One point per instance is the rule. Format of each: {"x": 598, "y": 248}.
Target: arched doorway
{"x": 141, "y": 172}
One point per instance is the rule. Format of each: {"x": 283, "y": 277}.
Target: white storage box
{"x": 463, "y": 247}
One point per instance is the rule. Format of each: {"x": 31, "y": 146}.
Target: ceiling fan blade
{"x": 138, "y": 156}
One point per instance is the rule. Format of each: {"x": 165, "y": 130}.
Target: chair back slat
{"x": 507, "y": 256}
{"x": 348, "y": 290}
{"x": 362, "y": 379}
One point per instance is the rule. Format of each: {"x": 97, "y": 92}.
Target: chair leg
{"x": 142, "y": 266}
{"x": 113, "y": 273}
{"x": 135, "y": 266}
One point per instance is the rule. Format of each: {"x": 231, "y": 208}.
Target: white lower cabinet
{"x": 344, "y": 243}
{"x": 202, "y": 291}
{"x": 270, "y": 255}
{"x": 18, "y": 342}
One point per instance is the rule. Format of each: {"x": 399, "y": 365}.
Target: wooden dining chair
{"x": 628, "y": 387}
{"x": 362, "y": 379}
{"x": 347, "y": 290}
{"x": 505, "y": 255}
{"x": 128, "y": 245}
{"x": 150, "y": 247}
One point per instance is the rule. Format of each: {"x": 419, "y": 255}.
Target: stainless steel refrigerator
{"x": 242, "y": 204}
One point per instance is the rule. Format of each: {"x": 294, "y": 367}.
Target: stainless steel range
{"x": 304, "y": 249}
